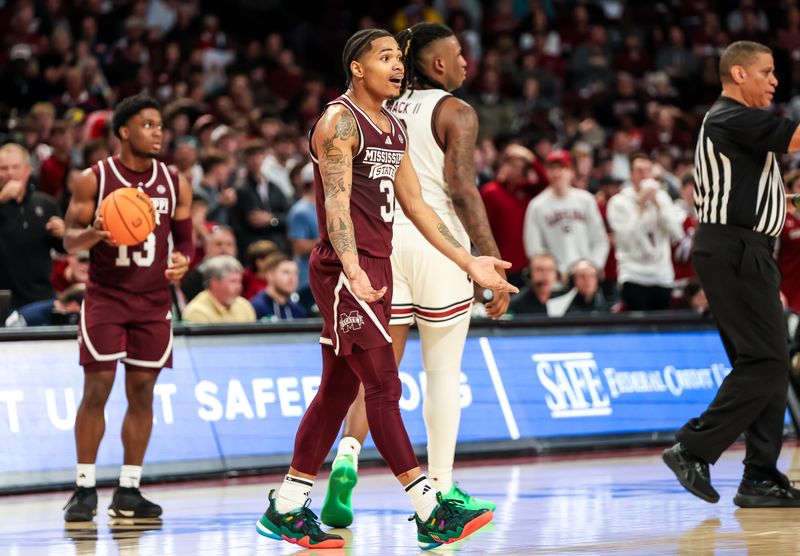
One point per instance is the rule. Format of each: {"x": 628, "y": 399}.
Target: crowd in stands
{"x": 588, "y": 112}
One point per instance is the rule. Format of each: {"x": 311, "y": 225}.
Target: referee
{"x": 741, "y": 207}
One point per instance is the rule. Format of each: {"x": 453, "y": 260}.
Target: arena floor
{"x": 617, "y": 503}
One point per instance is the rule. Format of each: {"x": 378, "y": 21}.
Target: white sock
{"x": 441, "y": 480}
{"x": 349, "y": 446}
{"x": 130, "y": 476}
{"x": 86, "y": 475}
{"x": 293, "y": 493}
{"x": 423, "y": 496}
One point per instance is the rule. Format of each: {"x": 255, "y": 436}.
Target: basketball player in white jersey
{"x": 429, "y": 288}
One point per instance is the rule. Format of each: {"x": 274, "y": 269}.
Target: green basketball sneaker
{"x": 336, "y": 510}
{"x": 300, "y": 527}
{"x": 450, "y": 521}
{"x": 455, "y": 493}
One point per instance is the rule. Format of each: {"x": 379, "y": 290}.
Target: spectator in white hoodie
{"x": 645, "y": 222}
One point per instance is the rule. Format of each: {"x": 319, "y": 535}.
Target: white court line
{"x": 499, "y": 389}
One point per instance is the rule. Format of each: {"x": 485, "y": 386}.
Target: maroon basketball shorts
{"x": 349, "y": 321}
{"x": 136, "y": 328}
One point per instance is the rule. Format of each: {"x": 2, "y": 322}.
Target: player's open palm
{"x": 362, "y": 287}
{"x": 482, "y": 270}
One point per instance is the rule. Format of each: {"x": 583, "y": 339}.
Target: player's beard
{"x": 141, "y": 154}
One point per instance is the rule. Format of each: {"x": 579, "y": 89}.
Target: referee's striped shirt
{"x": 738, "y": 181}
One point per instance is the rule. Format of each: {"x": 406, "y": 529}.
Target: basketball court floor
{"x": 615, "y": 503}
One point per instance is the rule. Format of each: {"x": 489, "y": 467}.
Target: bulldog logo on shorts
{"x": 350, "y": 321}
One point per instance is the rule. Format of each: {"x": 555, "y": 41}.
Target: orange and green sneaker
{"x": 455, "y": 493}
{"x": 450, "y": 521}
{"x": 300, "y": 527}
{"x": 337, "y": 510}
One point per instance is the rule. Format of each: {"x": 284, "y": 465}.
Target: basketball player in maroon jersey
{"x": 358, "y": 149}
{"x": 126, "y": 312}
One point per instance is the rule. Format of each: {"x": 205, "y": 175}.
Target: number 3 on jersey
{"x": 387, "y": 210}
{"x": 143, "y": 257}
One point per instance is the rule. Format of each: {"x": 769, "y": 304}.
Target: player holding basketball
{"x": 358, "y": 149}
{"x": 126, "y": 312}
{"x": 428, "y": 287}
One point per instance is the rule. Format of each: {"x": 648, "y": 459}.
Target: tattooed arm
{"x": 457, "y": 123}
{"x": 335, "y": 139}
{"x": 408, "y": 194}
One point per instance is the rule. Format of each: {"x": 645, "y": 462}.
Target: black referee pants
{"x": 742, "y": 283}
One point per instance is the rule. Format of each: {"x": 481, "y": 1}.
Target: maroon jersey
{"x": 789, "y": 260}
{"x": 138, "y": 268}
{"x": 372, "y": 196}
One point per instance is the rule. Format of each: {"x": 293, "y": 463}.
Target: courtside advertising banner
{"x": 231, "y": 399}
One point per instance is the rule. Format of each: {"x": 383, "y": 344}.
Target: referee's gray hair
{"x": 218, "y": 267}
{"x": 739, "y": 53}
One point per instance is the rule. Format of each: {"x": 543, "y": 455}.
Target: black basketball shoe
{"x": 767, "y": 494}
{"x": 82, "y": 505}
{"x": 691, "y": 472}
{"x": 129, "y": 502}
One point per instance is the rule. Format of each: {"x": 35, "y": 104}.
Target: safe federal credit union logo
{"x": 574, "y": 384}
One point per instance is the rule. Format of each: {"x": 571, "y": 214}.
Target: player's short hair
{"x": 131, "y": 106}
{"x": 218, "y": 267}
{"x": 739, "y": 53}
{"x": 357, "y": 45}
{"x": 413, "y": 42}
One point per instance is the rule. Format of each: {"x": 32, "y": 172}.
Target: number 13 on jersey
{"x": 143, "y": 256}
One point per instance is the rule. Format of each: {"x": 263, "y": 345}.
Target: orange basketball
{"x": 128, "y": 215}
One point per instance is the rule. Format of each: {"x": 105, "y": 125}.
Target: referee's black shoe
{"x": 767, "y": 494}
{"x": 691, "y": 472}
{"x": 129, "y": 502}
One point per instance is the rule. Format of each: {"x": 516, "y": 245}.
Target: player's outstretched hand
{"x": 177, "y": 267}
{"x": 362, "y": 287}
{"x": 482, "y": 270}
{"x": 498, "y": 306}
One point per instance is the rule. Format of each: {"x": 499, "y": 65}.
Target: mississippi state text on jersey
{"x": 375, "y": 164}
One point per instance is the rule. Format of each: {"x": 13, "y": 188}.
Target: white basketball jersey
{"x": 416, "y": 110}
